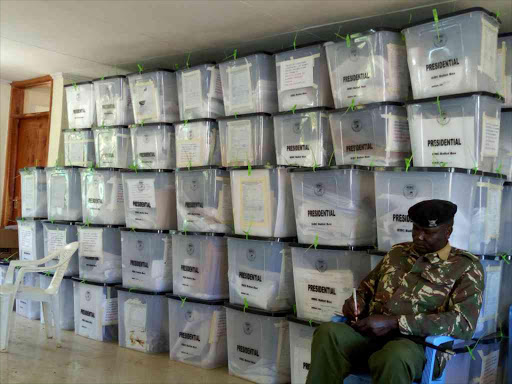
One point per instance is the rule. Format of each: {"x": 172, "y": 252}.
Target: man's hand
{"x": 377, "y": 325}
{"x": 349, "y": 309}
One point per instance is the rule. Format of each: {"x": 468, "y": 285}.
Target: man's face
{"x": 427, "y": 240}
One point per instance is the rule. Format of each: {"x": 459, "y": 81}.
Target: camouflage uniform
{"x": 436, "y": 294}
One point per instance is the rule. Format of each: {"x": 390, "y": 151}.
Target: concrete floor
{"x": 33, "y": 359}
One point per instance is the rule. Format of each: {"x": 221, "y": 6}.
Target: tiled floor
{"x": 34, "y": 359}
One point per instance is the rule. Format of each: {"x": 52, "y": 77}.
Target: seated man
{"x": 419, "y": 289}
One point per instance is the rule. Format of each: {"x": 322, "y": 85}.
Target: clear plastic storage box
{"x": 335, "y": 205}
{"x": 64, "y": 193}
{"x": 455, "y": 55}
{"x": 113, "y": 147}
{"x": 79, "y": 147}
{"x": 303, "y": 138}
{"x": 373, "y": 134}
{"x": 325, "y": 277}
{"x": 396, "y": 191}
{"x": 113, "y": 101}
{"x": 247, "y": 139}
{"x": 303, "y": 78}
{"x": 260, "y": 272}
{"x": 150, "y": 199}
{"x": 102, "y": 196}
{"x": 505, "y": 241}
{"x": 203, "y": 198}
{"x": 30, "y": 239}
{"x": 301, "y": 337}
{"x": 503, "y": 163}
{"x": 258, "y": 345}
{"x": 99, "y": 253}
{"x": 200, "y": 92}
{"x": 504, "y": 67}
{"x": 154, "y": 146}
{"x": 30, "y": 309}
{"x": 461, "y": 131}
{"x": 371, "y": 69}
{"x": 66, "y": 300}
{"x": 95, "y": 310}
{"x": 143, "y": 320}
{"x": 249, "y": 84}
{"x": 33, "y": 192}
{"x": 197, "y": 332}
{"x": 200, "y": 265}
{"x": 486, "y": 211}
{"x": 146, "y": 259}
{"x": 81, "y": 105}
{"x": 57, "y": 234}
{"x": 154, "y": 96}
{"x": 262, "y": 202}
{"x": 197, "y": 143}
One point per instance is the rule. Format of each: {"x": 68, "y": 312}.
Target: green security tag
{"x": 47, "y": 273}
{"x": 176, "y": 66}
{"x": 503, "y": 255}
{"x": 236, "y": 115}
{"x": 294, "y": 108}
{"x": 249, "y": 168}
{"x": 403, "y": 36}
{"x": 185, "y": 227}
{"x": 75, "y": 86}
{"x": 352, "y": 106}
{"x": 247, "y": 232}
{"x": 189, "y": 165}
{"x": 7, "y": 258}
{"x": 185, "y": 123}
{"x": 498, "y": 170}
{"x": 188, "y": 60}
{"x": 134, "y": 167}
{"x": 132, "y": 229}
{"x": 315, "y": 242}
{"x": 498, "y": 14}
{"x": 475, "y": 168}
{"x": 83, "y": 281}
{"x": 87, "y": 222}
{"x": 51, "y": 221}
{"x": 372, "y": 163}
{"x": 102, "y": 78}
{"x": 436, "y": 21}
{"x": 310, "y": 322}
{"x": 294, "y": 309}
{"x": 408, "y": 163}
{"x": 131, "y": 289}
{"x": 141, "y": 68}
{"x": 331, "y": 158}
{"x": 182, "y": 301}
{"x": 295, "y": 41}
{"x": 348, "y": 40}
{"x": 246, "y": 304}
{"x": 470, "y": 350}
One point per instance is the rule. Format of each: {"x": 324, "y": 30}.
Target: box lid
{"x": 333, "y": 247}
{"x": 256, "y": 311}
{"x": 194, "y": 300}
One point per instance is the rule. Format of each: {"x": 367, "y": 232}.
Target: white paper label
{"x": 91, "y": 243}
{"x": 190, "y": 271}
{"x": 254, "y": 197}
{"x": 218, "y": 329}
{"x": 141, "y": 193}
{"x": 146, "y": 146}
{"x": 239, "y": 134}
{"x": 192, "y": 89}
{"x": 135, "y": 324}
{"x": 56, "y": 239}
{"x": 89, "y": 324}
{"x": 489, "y": 309}
{"x": 490, "y": 136}
{"x": 26, "y": 239}
{"x": 225, "y": 207}
{"x": 297, "y": 73}
{"x": 488, "y": 49}
{"x": 59, "y": 188}
{"x": 240, "y": 87}
{"x": 501, "y": 65}
{"x": 145, "y": 100}
{"x": 398, "y": 71}
{"x": 215, "y": 84}
{"x": 489, "y": 372}
{"x": 28, "y": 186}
{"x": 398, "y": 138}
{"x": 75, "y": 152}
{"x": 110, "y": 311}
{"x": 302, "y": 363}
{"x": 286, "y": 276}
{"x": 493, "y": 212}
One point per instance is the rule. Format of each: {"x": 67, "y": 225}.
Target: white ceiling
{"x": 99, "y": 38}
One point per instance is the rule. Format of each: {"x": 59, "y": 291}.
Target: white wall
{"x": 37, "y": 99}
{"x": 5, "y": 101}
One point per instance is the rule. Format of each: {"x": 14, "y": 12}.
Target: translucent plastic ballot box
{"x": 154, "y": 96}
{"x": 479, "y": 366}
{"x": 143, "y": 320}
{"x": 30, "y": 238}
{"x": 303, "y": 138}
{"x": 486, "y": 215}
{"x": 146, "y": 259}
{"x": 505, "y": 240}
{"x": 99, "y": 253}
{"x": 200, "y": 265}
{"x": 197, "y": 143}
{"x": 503, "y": 163}
{"x": 150, "y": 199}
{"x": 102, "y": 196}
{"x": 371, "y": 68}
{"x": 4, "y": 266}
{"x": 258, "y": 344}
{"x": 456, "y": 54}
{"x": 200, "y": 92}
{"x": 33, "y": 192}
{"x": 455, "y": 131}
{"x": 30, "y": 309}
{"x": 372, "y": 134}
{"x": 262, "y": 201}
{"x": 113, "y": 146}
{"x": 95, "y": 306}
{"x": 79, "y": 147}
{"x": 65, "y": 297}
{"x": 493, "y": 278}
{"x": 325, "y": 276}
{"x": 203, "y": 196}
{"x": 197, "y": 332}
{"x": 303, "y": 78}
{"x": 64, "y": 193}
{"x": 397, "y": 190}
{"x": 113, "y": 101}
{"x": 301, "y": 337}
{"x": 154, "y": 146}
{"x": 81, "y": 105}
{"x": 260, "y": 272}
{"x": 335, "y": 205}
{"x": 249, "y": 84}
{"x": 504, "y": 67}
{"x": 247, "y": 139}
{"x": 58, "y": 234}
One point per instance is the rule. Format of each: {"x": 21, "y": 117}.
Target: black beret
{"x": 432, "y": 213}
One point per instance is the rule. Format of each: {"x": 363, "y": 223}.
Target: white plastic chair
{"x": 11, "y": 290}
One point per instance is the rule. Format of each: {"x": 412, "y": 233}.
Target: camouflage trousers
{"x": 339, "y": 350}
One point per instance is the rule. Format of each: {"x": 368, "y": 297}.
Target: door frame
{"x": 15, "y": 115}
